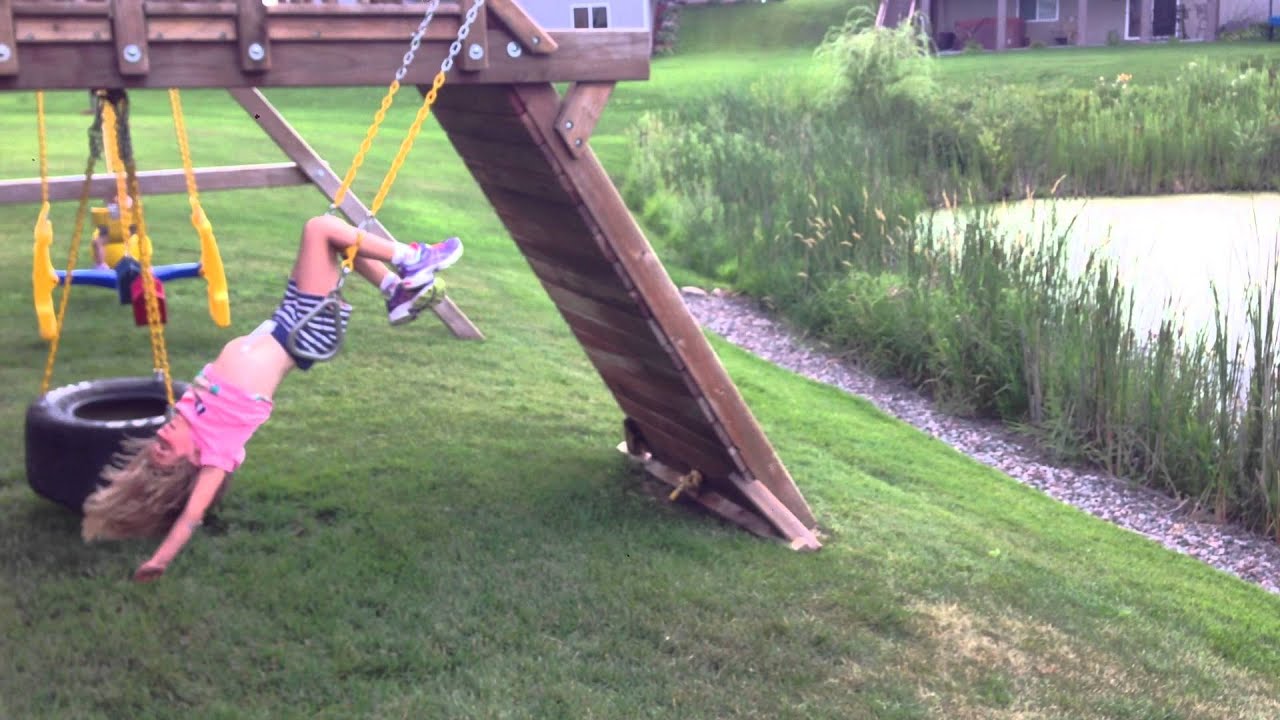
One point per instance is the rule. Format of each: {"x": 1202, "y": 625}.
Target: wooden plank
{"x": 364, "y": 9}
{"x": 158, "y": 182}
{"x": 527, "y": 32}
{"x": 206, "y": 8}
{"x": 643, "y": 348}
{"x": 799, "y": 535}
{"x": 8, "y": 41}
{"x": 492, "y": 100}
{"x": 516, "y": 155}
{"x": 61, "y": 9}
{"x": 652, "y": 394}
{"x": 602, "y": 202}
{"x": 251, "y": 33}
{"x": 475, "y": 52}
{"x": 604, "y": 288}
{"x": 696, "y": 433}
{"x": 383, "y": 27}
{"x": 608, "y": 315}
{"x": 191, "y": 29}
{"x": 318, "y": 171}
{"x": 86, "y": 65}
{"x": 674, "y": 450}
{"x": 482, "y": 126}
{"x": 545, "y": 185}
{"x": 70, "y": 29}
{"x": 709, "y": 499}
{"x": 129, "y": 29}
{"x": 658, "y": 372}
{"x": 580, "y": 111}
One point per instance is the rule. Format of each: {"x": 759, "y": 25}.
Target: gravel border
{"x": 1249, "y": 556}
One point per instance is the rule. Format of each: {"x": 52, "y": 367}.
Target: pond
{"x": 1172, "y": 248}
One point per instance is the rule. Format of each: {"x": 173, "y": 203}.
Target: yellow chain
{"x": 349, "y": 260}
{"x": 44, "y": 153}
{"x": 76, "y": 235}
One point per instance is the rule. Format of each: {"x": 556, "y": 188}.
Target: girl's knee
{"x": 319, "y": 226}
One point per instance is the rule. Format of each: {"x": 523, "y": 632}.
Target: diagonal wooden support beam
{"x": 580, "y": 111}
{"x": 323, "y": 177}
{"x": 528, "y": 33}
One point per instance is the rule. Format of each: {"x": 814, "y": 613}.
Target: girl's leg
{"x": 317, "y": 265}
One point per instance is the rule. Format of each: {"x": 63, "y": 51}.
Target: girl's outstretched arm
{"x": 206, "y": 489}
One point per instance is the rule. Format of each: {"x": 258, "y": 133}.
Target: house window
{"x": 591, "y": 16}
{"x": 1038, "y": 10}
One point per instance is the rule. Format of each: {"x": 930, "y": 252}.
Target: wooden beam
{"x": 323, "y": 177}
{"x": 158, "y": 182}
{"x": 475, "y": 54}
{"x": 579, "y": 113}
{"x": 1082, "y": 22}
{"x": 251, "y": 32}
{"x": 603, "y": 204}
{"x": 710, "y": 500}
{"x": 527, "y": 32}
{"x": 8, "y": 40}
{"x": 129, "y": 29}
{"x": 333, "y": 60}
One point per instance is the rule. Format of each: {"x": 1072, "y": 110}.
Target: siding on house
{"x": 1237, "y": 11}
{"x": 558, "y": 14}
{"x": 1104, "y": 17}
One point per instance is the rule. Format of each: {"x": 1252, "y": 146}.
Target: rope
{"x": 95, "y": 151}
{"x": 44, "y": 153}
{"x": 159, "y": 352}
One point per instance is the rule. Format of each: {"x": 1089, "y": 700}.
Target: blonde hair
{"x": 141, "y": 499}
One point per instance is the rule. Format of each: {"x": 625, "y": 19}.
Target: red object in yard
{"x": 983, "y": 30}
{"x": 140, "y": 302}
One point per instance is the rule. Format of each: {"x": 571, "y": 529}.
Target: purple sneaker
{"x": 405, "y": 304}
{"x": 421, "y": 269}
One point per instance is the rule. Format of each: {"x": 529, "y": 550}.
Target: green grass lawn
{"x": 433, "y": 528}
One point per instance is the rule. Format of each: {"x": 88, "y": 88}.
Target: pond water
{"x": 1172, "y": 248}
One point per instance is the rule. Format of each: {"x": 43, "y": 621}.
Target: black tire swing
{"x": 73, "y": 431}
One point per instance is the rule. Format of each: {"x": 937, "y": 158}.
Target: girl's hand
{"x": 148, "y": 571}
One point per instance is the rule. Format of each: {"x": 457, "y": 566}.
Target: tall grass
{"x": 815, "y": 194}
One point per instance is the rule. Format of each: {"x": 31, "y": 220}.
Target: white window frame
{"x": 591, "y": 16}
{"x": 1057, "y": 12}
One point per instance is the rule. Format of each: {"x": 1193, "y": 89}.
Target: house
{"x": 594, "y": 14}
{"x": 1003, "y": 24}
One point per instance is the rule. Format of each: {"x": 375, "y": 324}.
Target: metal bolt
{"x": 577, "y": 142}
{"x": 475, "y": 51}
{"x": 257, "y": 52}
{"x": 514, "y": 50}
{"x": 6, "y": 52}
{"x": 535, "y": 40}
{"x": 132, "y": 53}
{"x": 568, "y": 124}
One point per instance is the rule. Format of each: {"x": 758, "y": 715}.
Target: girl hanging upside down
{"x": 166, "y": 483}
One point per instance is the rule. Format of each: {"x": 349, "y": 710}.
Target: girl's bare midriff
{"x": 255, "y": 363}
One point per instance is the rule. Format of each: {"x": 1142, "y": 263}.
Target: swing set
{"x": 526, "y": 144}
